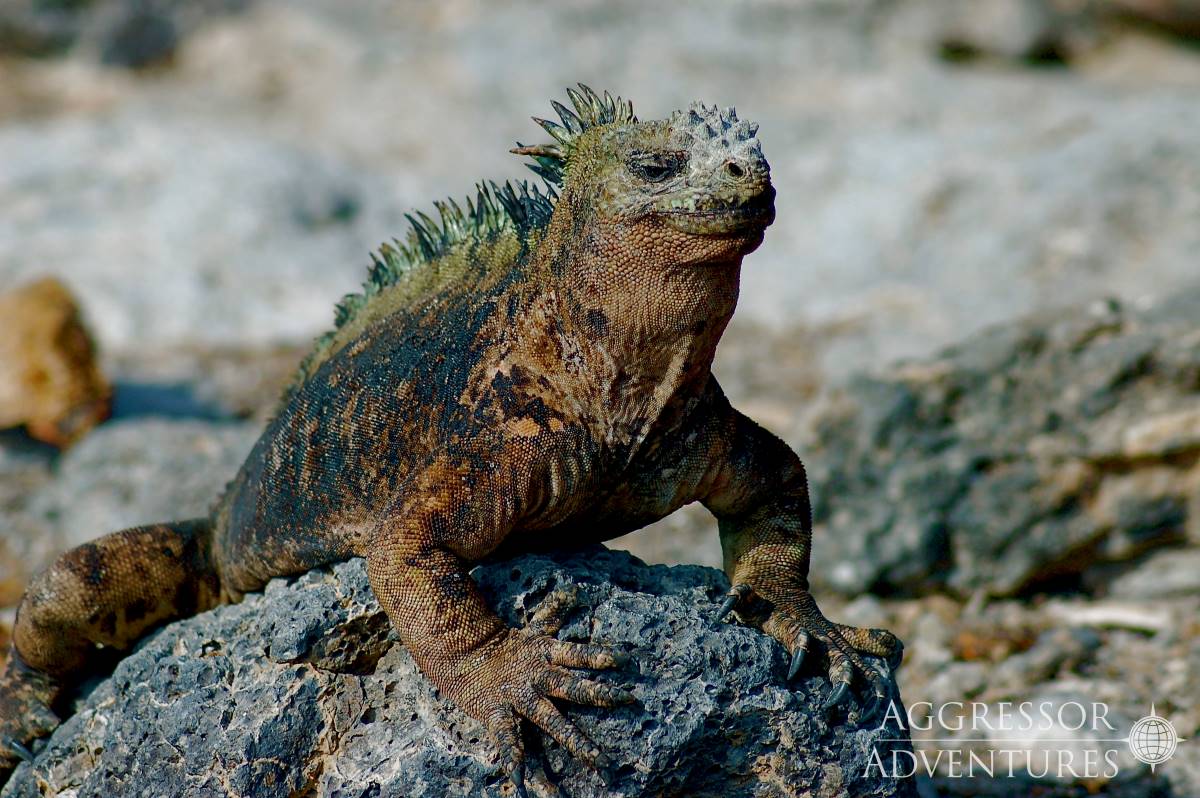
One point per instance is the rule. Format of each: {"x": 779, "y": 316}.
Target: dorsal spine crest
{"x": 519, "y": 207}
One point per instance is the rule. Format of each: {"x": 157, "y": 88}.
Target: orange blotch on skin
{"x": 525, "y": 427}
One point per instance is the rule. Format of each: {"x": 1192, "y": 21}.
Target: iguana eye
{"x": 655, "y": 167}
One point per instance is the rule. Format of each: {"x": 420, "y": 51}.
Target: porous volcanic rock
{"x": 304, "y": 690}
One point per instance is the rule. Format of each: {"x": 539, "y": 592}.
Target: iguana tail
{"x": 107, "y": 593}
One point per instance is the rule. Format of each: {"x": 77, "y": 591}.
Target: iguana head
{"x": 695, "y": 185}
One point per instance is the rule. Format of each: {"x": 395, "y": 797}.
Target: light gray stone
{"x": 1026, "y": 457}
{"x": 1162, "y": 574}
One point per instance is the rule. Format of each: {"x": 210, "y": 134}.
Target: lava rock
{"x": 304, "y": 689}
{"x": 1024, "y": 458}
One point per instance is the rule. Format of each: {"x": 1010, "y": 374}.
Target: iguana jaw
{"x": 720, "y": 216}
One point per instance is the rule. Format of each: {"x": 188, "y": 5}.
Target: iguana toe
{"x": 796, "y": 622}
{"x": 878, "y": 703}
{"x": 735, "y": 595}
{"x": 799, "y": 651}
{"x": 836, "y": 695}
{"x": 519, "y": 675}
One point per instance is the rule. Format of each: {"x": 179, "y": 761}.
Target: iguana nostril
{"x": 734, "y": 170}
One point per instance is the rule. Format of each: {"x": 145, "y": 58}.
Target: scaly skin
{"x": 517, "y": 379}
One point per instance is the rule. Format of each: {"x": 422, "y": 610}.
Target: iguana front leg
{"x": 418, "y": 565}
{"x": 760, "y": 498}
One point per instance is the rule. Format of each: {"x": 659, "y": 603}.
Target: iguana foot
{"x": 25, "y": 714}
{"x": 517, "y": 674}
{"x": 796, "y": 621}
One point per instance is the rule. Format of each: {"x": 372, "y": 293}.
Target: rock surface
{"x": 1047, "y": 32}
{"x": 1128, "y": 653}
{"x": 1024, "y": 458}
{"x": 303, "y": 690}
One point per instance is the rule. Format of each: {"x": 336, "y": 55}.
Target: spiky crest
{"x": 591, "y": 110}
{"x": 519, "y": 207}
{"x": 716, "y": 123}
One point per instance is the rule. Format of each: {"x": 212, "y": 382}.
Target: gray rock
{"x": 304, "y": 689}
{"x": 142, "y": 471}
{"x": 206, "y": 382}
{"x": 176, "y": 255}
{"x": 1043, "y": 32}
{"x": 1020, "y": 459}
{"x": 1028, "y": 30}
{"x": 1162, "y": 574}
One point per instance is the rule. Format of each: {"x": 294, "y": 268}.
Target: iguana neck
{"x": 647, "y": 331}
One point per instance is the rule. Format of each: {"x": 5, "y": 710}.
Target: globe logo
{"x": 1152, "y": 739}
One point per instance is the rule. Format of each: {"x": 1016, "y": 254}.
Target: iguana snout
{"x": 725, "y": 188}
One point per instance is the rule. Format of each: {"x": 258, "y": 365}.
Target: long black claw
{"x": 736, "y": 593}
{"x": 20, "y": 750}
{"x": 518, "y": 780}
{"x": 726, "y": 607}
{"x": 797, "y": 661}
{"x": 836, "y": 695}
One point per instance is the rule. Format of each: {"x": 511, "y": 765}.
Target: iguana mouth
{"x": 721, "y": 218}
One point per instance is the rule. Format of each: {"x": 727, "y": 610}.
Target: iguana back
{"x": 376, "y": 397}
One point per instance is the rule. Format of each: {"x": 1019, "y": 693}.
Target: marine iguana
{"x": 531, "y": 370}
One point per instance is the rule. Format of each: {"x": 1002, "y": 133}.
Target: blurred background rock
{"x": 206, "y": 178}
